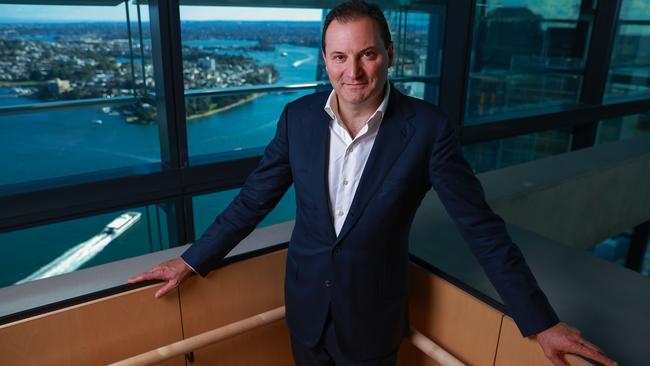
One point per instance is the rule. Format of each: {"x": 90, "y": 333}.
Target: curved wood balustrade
{"x": 118, "y": 327}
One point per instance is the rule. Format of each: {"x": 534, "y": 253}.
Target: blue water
{"x": 54, "y": 144}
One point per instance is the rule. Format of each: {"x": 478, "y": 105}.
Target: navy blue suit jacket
{"x": 362, "y": 275}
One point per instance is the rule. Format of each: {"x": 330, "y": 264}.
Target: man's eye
{"x": 369, "y": 54}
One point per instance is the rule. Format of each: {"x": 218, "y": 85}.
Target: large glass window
{"x": 64, "y": 247}
{"x": 629, "y": 72}
{"x": 623, "y": 128}
{"x": 55, "y": 55}
{"x": 229, "y": 48}
{"x": 516, "y": 150}
{"x": 526, "y": 55}
{"x": 208, "y": 206}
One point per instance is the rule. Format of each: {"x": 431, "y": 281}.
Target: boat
{"x": 81, "y": 253}
{"x": 118, "y": 226}
{"x": 98, "y": 121}
{"x": 284, "y": 54}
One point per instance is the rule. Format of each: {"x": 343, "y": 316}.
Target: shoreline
{"x": 14, "y": 84}
{"x": 225, "y": 108}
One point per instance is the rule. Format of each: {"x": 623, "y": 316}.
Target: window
{"x": 502, "y": 153}
{"x": 63, "y": 247}
{"x": 629, "y": 72}
{"x": 83, "y": 75}
{"x": 623, "y": 128}
{"x": 526, "y": 55}
{"x": 242, "y": 65}
{"x": 208, "y": 206}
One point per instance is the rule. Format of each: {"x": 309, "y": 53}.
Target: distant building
{"x": 58, "y": 86}
{"x": 208, "y": 64}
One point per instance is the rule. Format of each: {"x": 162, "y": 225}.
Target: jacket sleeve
{"x": 260, "y": 193}
{"x": 462, "y": 195}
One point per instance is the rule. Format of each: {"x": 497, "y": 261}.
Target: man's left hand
{"x": 561, "y": 339}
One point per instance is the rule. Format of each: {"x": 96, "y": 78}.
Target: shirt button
{"x": 350, "y": 149}
{"x": 345, "y": 182}
{"x": 328, "y": 283}
{"x": 340, "y": 213}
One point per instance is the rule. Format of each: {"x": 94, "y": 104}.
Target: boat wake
{"x": 302, "y": 61}
{"x": 81, "y": 253}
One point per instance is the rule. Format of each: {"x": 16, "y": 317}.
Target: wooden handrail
{"x": 201, "y": 340}
{"x": 424, "y": 344}
{"x": 434, "y": 351}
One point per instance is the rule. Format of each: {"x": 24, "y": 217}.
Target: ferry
{"x": 81, "y": 253}
{"x": 118, "y": 226}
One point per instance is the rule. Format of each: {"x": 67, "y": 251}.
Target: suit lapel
{"x": 393, "y": 135}
{"x": 321, "y": 135}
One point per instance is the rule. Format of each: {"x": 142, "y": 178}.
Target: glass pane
{"x": 616, "y": 250}
{"x": 64, "y": 52}
{"x": 59, "y": 143}
{"x": 623, "y": 128}
{"x": 225, "y": 47}
{"x": 526, "y": 55}
{"x": 207, "y": 207}
{"x": 629, "y": 72}
{"x": 55, "y": 53}
{"x": 54, "y": 249}
{"x": 497, "y": 154}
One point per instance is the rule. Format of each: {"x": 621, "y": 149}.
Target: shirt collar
{"x": 331, "y": 107}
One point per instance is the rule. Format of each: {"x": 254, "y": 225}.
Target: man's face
{"x": 357, "y": 61}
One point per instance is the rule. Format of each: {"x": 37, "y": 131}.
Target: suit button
{"x": 328, "y": 283}
{"x": 337, "y": 248}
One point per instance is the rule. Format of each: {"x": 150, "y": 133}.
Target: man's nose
{"x": 354, "y": 70}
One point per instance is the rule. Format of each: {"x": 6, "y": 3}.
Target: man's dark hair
{"x": 353, "y": 10}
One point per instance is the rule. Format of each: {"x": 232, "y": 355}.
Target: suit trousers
{"x": 328, "y": 353}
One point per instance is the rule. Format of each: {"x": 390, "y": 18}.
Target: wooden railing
{"x": 424, "y": 344}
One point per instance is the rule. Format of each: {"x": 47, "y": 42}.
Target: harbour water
{"x": 54, "y": 144}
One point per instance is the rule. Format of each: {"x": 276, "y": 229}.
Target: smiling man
{"x": 361, "y": 159}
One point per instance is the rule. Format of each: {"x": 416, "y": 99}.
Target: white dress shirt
{"x": 348, "y": 157}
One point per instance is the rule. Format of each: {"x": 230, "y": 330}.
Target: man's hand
{"x": 561, "y": 338}
{"x": 173, "y": 271}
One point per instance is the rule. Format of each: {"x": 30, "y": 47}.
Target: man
{"x": 361, "y": 159}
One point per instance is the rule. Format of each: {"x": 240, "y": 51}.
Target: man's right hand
{"x": 173, "y": 271}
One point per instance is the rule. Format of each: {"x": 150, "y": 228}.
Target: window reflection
{"x": 526, "y": 54}
{"x": 623, "y": 128}
{"x": 502, "y": 153}
{"x": 629, "y": 73}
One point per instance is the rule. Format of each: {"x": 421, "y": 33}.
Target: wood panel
{"x": 463, "y": 325}
{"x": 232, "y": 293}
{"x": 515, "y": 350}
{"x": 95, "y": 333}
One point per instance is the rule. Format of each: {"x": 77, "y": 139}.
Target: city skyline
{"x": 66, "y": 13}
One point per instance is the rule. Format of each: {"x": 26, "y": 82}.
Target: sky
{"x": 15, "y": 13}
{"x": 564, "y": 9}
